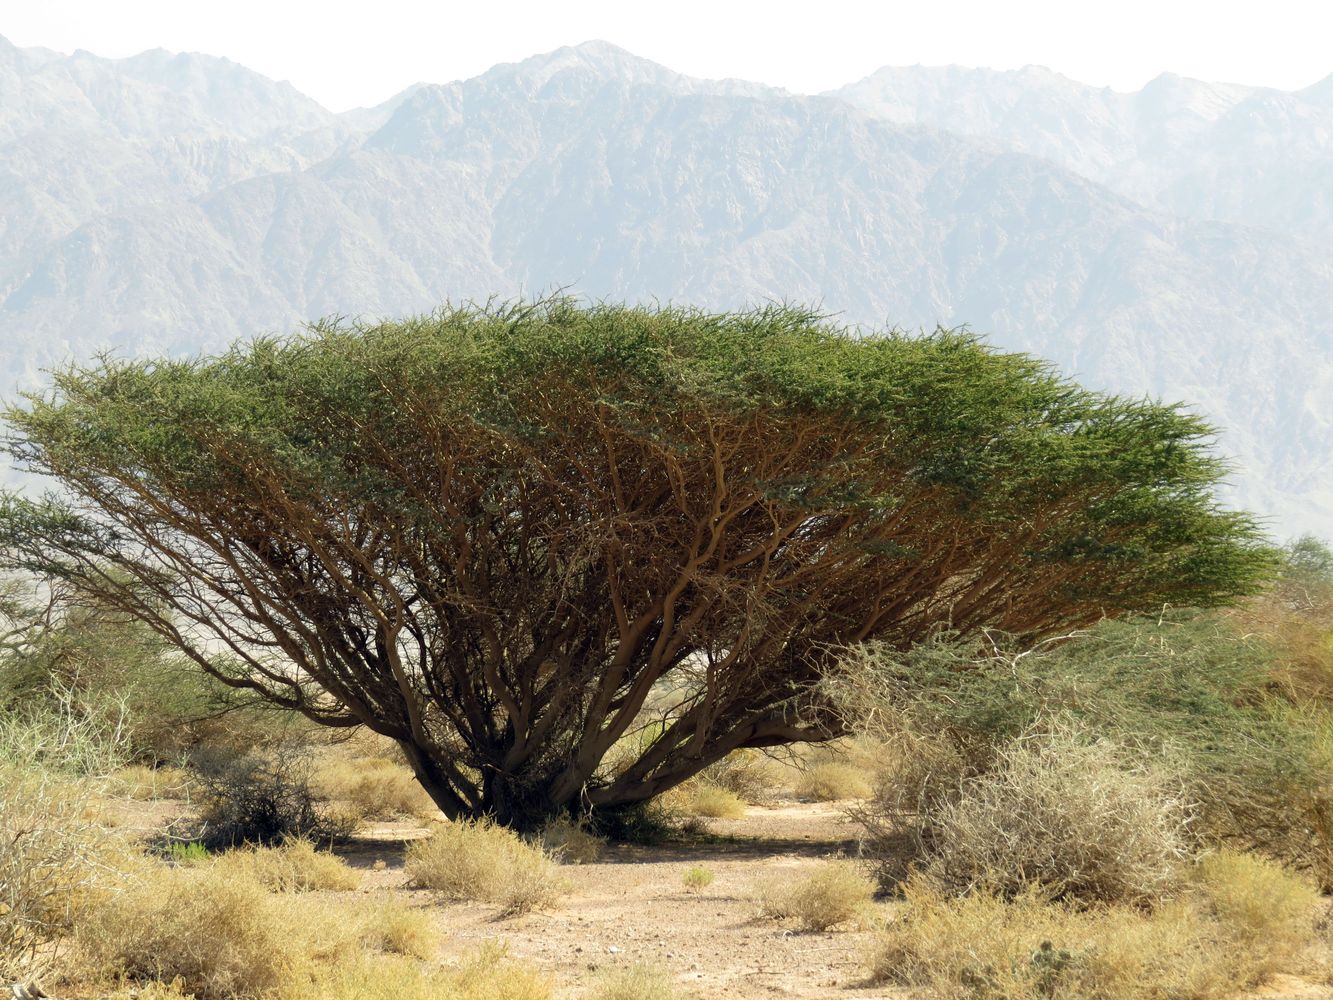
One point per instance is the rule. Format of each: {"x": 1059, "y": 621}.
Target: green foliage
{"x": 190, "y": 852}
{"x": 77, "y": 655}
{"x": 491, "y": 533}
{"x": 1186, "y": 689}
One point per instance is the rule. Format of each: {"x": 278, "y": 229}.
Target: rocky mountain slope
{"x": 175, "y": 202}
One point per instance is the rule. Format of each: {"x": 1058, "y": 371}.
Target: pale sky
{"x": 351, "y": 54}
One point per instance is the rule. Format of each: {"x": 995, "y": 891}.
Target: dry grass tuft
{"x": 375, "y": 787}
{"x": 397, "y": 928}
{"x": 697, "y": 877}
{"x": 571, "y": 842}
{"x": 834, "y": 782}
{"x": 489, "y": 974}
{"x": 635, "y": 982}
{"x": 292, "y": 866}
{"x": 748, "y": 774}
{"x": 711, "y": 802}
{"x": 485, "y": 975}
{"x": 149, "y": 783}
{"x": 1208, "y": 944}
{"x": 1265, "y": 909}
{"x": 484, "y": 862}
{"x": 220, "y": 933}
{"x": 837, "y": 893}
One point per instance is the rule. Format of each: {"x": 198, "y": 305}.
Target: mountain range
{"x": 1176, "y": 242}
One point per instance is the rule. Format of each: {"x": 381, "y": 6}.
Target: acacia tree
{"x": 494, "y": 534}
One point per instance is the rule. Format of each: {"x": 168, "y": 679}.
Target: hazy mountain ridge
{"x": 591, "y": 169}
{"x": 1226, "y": 152}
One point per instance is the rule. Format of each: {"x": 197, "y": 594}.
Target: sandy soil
{"x": 631, "y": 906}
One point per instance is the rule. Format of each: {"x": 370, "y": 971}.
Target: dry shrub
{"x": 635, "y": 982}
{"x": 711, "y": 802}
{"x": 478, "y": 860}
{"x": 489, "y": 974}
{"x": 1078, "y": 818}
{"x": 49, "y": 856}
{"x": 486, "y": 974}
{"x": 748, "y": 774}
{"x": 376, "y": 787}
{"x": 837, "y": 893}
{"x": 1027, "y": 947}
{"x": 292, "y": 866}
{"x": 834, "y": 782}
{"x": 220, "y": 933}
{"x": 1266, "y": 910}
{"x": 264, "y": 797}
{"x": 571, "y": 842}
{"x": 397, "y": 928}
{"x": 174, "y": 990}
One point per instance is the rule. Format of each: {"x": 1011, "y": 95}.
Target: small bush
{"x": 836, "y": 893}
{"x": 52, "y": 849}
{"x": 697, "y": 877}
{"x": 1078, "y": 818}
{"x": 712, "y": 802}
{"x": 264, "y": 797}
{"x": 187, "y": 853}
{"x": 747, "y": 774}
{"x": 292, "y": 866}
{"x": 48, "y": 856}
{"x": 571, "y": 842}
{"x": 1208, "y": 691}
{"x": 481, "y": 861}
{"x": 375, "y": 787}
{"x": 834, "y": 782}
{"x": 398, "y": 929}
{"x": 1268, "y": 911}
{"x": 635, "y": 982}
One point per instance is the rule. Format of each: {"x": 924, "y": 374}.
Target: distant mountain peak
{"x": 595, "y": 58}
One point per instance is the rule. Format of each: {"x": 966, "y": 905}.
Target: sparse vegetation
{"x": 710, "y": 802}
{"x": 295, "y": 865}
{"x": 838, "y": 892}
{"x": 697, "y": 877}
{"x": 834, "y": 782}
{"x": 571, "y": 842}
{"x": 139, "y": 781}
{"x": 479, "y": 860}
{"x": 374, "y": 787}
{"x": 1028, "y": 947}
{"x": 635, "y": 982}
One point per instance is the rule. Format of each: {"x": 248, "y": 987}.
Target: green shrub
{"x": 1188, "y": 689}
{"x": 697, "y": 877}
